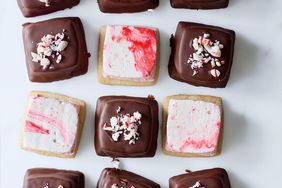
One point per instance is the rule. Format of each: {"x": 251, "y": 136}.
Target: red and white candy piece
{"x": 45, "y": 63}
{"x": 215, "y": 73}
{"x": 197, "y": 185}
{"x": 213, "y": 50}
{"x": 116, "y": 163}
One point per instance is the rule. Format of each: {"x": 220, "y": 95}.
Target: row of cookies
{"x": 124, "y": 126}
{"x": 117, "y": 178}
{"x": 41, "y": 7}
{"x": 56, "y": 49}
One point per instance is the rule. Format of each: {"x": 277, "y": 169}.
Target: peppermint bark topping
{"x": 47, "y": 2}
{"x": 197, "y": 185}
{"x": 124, "y": 124}
{"x": 50, "y": 47}
{"x": 207, "y": 51}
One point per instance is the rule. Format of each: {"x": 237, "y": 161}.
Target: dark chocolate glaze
{"x": 127, "y": 6}
{"x": 211, "y": 178}
{"x": 146, "y": 145}
{"x": 181, "y": 49}
{"x": 40, "y": 177}
{"x": 199, "y": 4}
{"x": 75, "y": 56}
{"x": 124, "y": 179}
{"x": 31, "y": 8}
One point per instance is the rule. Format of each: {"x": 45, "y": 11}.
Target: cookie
{"x": 53, "y": 178}
{"x": 55, "y": 49}
{"x": 192, "y": 125}
{"x": 128, "y": 55}
{"x": 116, "y": 178}
{"x": 126, "y": 126}
{"x": 210, "y": 178}
{"x": 127, "y": 6}
{"x": 201, "y": 55}
{"x": 41, "y": 7}
{"x": 196, "y": 4}
{"x": 52, "y": 124}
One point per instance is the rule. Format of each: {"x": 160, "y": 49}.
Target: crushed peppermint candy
{"x": 207, "y": 51}
{"x": 47, "y": 186}
{"x": 126, "y": 125}
{"x": 47, "y": 2}
{"x": 116, "y": 186}
{"x": 197, "y": 185}
{"x": 124, "y": 182}
{"x": 49, "y": 47}
{"x": 118, "y": 109}
{"x": 115, "y": 163}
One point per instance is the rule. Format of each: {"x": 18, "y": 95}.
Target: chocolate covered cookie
{"x": 53, "y": 178}
{"x": 126, "y": 126}
{"x": 55, "y": 49}
{"x": 199, "y": 4}
{"x": 127, "y": 6}
{"x": 31, "y": 8}
{"x": 115, "y": 178}
{"x": 201, "y": 55}
{"x": 211, "y": 178}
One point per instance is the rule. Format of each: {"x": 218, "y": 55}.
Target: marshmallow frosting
{"x": 50, "y": 125}
{"x": 129, "y": 53}
{"x": 193, "y": 126}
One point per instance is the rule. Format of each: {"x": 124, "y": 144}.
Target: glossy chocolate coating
{"x": 124, "y": 179}
{"x": 127, "y": 6}
{"x": 75, "y": 57}
{"x": 40, "y": 177}
{"x": 31, "y": 8}
{"x": 211, "y": 178}
{"x": 181, "y": 49}
{"x": 146, "y": 145}
{"x": 199, "y": 4}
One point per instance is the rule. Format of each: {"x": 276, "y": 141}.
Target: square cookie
{"x": 116, "y": 178}
{"x": 211, "y": 178}
{"x": 128, "y": 55}
{"x": 199, "y": 4}
{"x": 127, "y": 6}
{"x": 201, "y": 55}
{"x": 192, "y": 125}
{"x": 52, "y": 124}
{"x": 126, "y": 126}
{"x": 31, "y": 8}
{"x": 53, "y": 178}
{"x": 55, "y": 49}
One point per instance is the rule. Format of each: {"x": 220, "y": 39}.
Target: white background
{"x": 252, "y": 151}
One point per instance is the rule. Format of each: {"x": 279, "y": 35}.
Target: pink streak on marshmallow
{"x": 33, "y": 128}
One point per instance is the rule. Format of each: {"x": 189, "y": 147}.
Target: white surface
{"x": 252, "y": 151}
